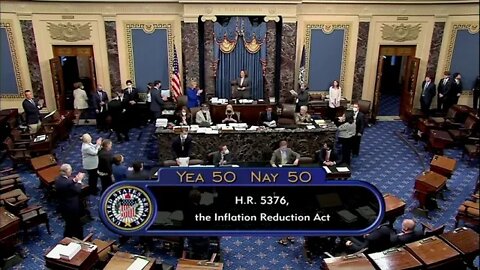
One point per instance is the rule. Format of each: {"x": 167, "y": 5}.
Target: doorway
{"x": 394, "y": 89}
{"x": 69, "y": 65}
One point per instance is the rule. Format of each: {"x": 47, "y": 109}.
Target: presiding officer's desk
{"x": 249, "y": 145}
{"x": 249, "y": 113}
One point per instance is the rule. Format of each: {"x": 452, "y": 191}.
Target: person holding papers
{"x": 230, "y": 115}
{"x": 183, "y": 117}
{"x": 203, "y": 117}
{"x": 334, "y": 97}
{"x": 268, "y": 118}
{"x": 327, "y": 156}
{"x": 182, "y": 146}
{"x": 222, "y": 156}
{"x": 68, "y": 190}
{"x": 284, "y": 155}
{"x": 302, "y": 118}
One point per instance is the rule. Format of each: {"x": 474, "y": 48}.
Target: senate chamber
{"x": 371, "y": 106}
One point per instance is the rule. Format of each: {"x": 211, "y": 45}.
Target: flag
{"x": 127, "y": 207}
{"x": 301, "y": 75}
{"x": 176, "y": 85}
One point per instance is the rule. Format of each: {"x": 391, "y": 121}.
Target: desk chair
{"x": 471, "y": 149}
{"x": 193, "y": 114}
{"x": 428, "y": 230}
{"x": 287, "y": 118}
{"x": 9, "y": 179}
{"x": 469, "y": 211}
{"x": 364, "y": 106}
{"x": 15, "y": 153}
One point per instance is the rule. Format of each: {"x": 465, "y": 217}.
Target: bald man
{"x": 408, "y": 233}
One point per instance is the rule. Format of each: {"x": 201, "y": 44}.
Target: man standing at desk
{"x": 182, "y": 146}
{"x": 32, "y": 111}
{"x": 68, "y": 190}
{"x": 157, "y": 100}
{"x": 222, "y": 156}
{"x": 284, "y": 155}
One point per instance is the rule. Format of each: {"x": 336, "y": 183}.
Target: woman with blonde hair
{"x": 230, "y": 115}
{"x": 90, "y": 161}
{"x": 80, "y": 101}
{"x": 194, "y": 95}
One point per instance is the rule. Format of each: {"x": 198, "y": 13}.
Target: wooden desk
{"x": 428, "y": 184}
{"x": 47, "y": 176}
{"x": 434, "y": 253}
{"x": 357, "y": 262}
{"x": 123, "y": 260}
{"x": 43, "y": 147}
{"x": 59, "y": 125}
{"x": 395, "y": 259}
{"x": 85, "y": 259}
{"x": 185, "y": 264}
{"x": 439, "y": 140}
{"x": 465, "y": 241}
{"x": 394, "y": 207}
{"x": 9, "y": 229}
{"x": 43, "y": 162}
{"x": 443, "y": 165}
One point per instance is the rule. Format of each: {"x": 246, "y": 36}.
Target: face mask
{"x": 205, "y": 110}
{"x": 184, "y": 113}
{"x": 229, "y": 111}
{"x": 183, "y": 136}
{"x": 129, "y": 87}
{"x": 226, "y": 152}
{"x": 81, "y": 87}
{"x": 355, "y": 109}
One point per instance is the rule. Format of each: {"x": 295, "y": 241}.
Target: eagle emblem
{"x": 70, "y": 32}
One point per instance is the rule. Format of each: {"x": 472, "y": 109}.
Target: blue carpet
{"x": 385, "y": 161}
{"x": 389, "y": 105}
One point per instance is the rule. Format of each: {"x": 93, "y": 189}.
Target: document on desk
{"x": 40, "y": 138}
{"x": 138, "y": 264}
{"x": 310, "y": 127}
{"x": 55, "y": 252}
{"x": 342, "y": 169}
{"x": 327, "y": 169}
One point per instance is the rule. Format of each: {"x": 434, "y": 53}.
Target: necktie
{"x": 425, "y": 88}
{"x": 183, "y": 141}
{"x": 31, "y": 101}
{"x": 445, "y": 81}
{"x": 284, "y": 157}
{"x": 327, "y": 156}
{"x": 269, "y": 116}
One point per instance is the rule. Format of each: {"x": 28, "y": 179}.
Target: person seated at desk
{"x": 137, "y": 173}
{"x": 408, "y": 233}
{"x": 183, "y": 117}
{"x": 222, "y": 156}
{"x": 268, "y": 118}
{"x": 302, "y": 118}
{"x": 243, "y": 86}
{"x": 203, "y": 116}
{"x": 377, "y": 240}
{"x": 284, "y": 155}
{"x": 230, "y": 115}
{"x": 119, "y": 170}
{"x": 194, "y": 95}
{"x": 182, "y": 146}
{"x": 326, "y": 155}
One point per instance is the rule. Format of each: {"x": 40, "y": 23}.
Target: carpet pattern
{"x": 389, "y": 105}
{"x": 385, "y": 161}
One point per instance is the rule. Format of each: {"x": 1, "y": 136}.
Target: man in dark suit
{"x": 68, "y": 190}
{"x": 132, "y": 97}
{"x": 156, "y": 104}
{"x": 376, "y": 241}
{"x": 100, "y": 101}
{"x": 284, "y": 155}
{"x": 268, "y": 118}
{"x": 408, "y": 233}
{"x": 105, "y": 161}
{"x": 443, "y": 90}
{"x": 117, "y": 110}
{"x": 137, "y": 173}
{"x": 457, "y": 88}
{"x": 359, "y": 119}
{"x": 32, "y": 111}
{"x": 182, "y": 146}
{"x": 428, "y": 92}
{"x": 326, "y": 155}
{"x": 222, "y": 156}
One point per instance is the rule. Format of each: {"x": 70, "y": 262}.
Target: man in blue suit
{"x": 157, "y": 100}
{"x": 100, "y": 101}
{"x": 32, "y": 111}
{"x": 428, "y": 92}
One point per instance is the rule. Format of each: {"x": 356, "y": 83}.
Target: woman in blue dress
{"x": 194, "y": 95}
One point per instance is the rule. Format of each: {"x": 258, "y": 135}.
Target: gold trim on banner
{"x": 7, "y": 25}
{"x": 227, "y": 46}
{"x": 148, "y": 28}
{"x": 252, "y": 46}
{"x": 472, "y": 28}
{"x": 328, "y": 29}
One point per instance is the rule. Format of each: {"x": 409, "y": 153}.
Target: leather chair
{"x": 364, "y": 106}
{"x": 428, "y": 230}
{"x": 472, "y": 149}
{"x": 10, "y": 181}
{"x": 469, "y": 211}
{"x": 182, "y": 101}
{"x": 193, "y": 114}
{"x": 287, "y": 118}
{"x": 32, "y": 217}
{"x": 20, "y": 139}
{"x": 14, "y": 200}
{"x": 16, "y": 154}
{"x": 468, "y": 129}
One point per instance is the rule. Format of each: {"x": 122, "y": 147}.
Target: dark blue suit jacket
{"x": 157, "y": 101}
{"x": 32, "y": 113}
{"x": 68, "y": 196}
{"x": 429, "y": 93}
{"x": 96, "y": 100}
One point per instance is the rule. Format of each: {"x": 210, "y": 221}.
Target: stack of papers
{"x": 161, "y": 122}
{"x": 320, "y": 122}
{"x": 40, "y": 138}
{"x": 202, "y": 130}
{"x": 183, "y": 161}
{"x": 210, "y": 131}
{"x": 327, "y": 169}
{"x": 168, "y": 112}
{"x": 66, "y": 252}
{"x": 310, "y": 127}
{"x": 194, "y": 128}
{"x": 227, "y": 128}
{"x": 343, "y": 169}
{"x": 138, "y": 264}
{"x": 254, "y": 128}
{"x": 245, "y": 101}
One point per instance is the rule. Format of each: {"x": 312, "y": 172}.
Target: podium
{"x": 443, "y": 165}
{"x": 428, "y": 185}
{"x": 394, "y": 207}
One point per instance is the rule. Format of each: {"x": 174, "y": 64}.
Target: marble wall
{"x": 359, "y": 72}
{"x": 269, "y": 90}
{"x": 435, "y": 48}
{"x": 210, "y": 63}
{"x": 113, "y": 62}
{"x": 190, "y": 52}
{"x": 32, "y": 57}
{"x": 287, "y": 71}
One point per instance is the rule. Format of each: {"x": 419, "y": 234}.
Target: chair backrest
{"x": 364, "y": 106}
{"x": 238, "y": 116}
{"x": 471, "y": 122}
{"x": 182, "y": 101}
{"x": 288, "y": 111}
{"x": 193, "y": 113}
{"x": 8, "y": 143}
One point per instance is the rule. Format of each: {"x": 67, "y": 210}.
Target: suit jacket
{"x": 217, "y": 157}
{"x": 193, "y": 100}
{"x": 32, "y": 112}
{"x": 180, "y": 150}
{"x": 105, "y": 160}
{"x": 263, "y": 117}
{"x": 119, "y": 172}
{"x": 200, "y": 118}
{"x": 68, "y": 196}
{"x": 302, "y": 120}
{"x": 444, "y": 89}
{"x": 322, "y": 156}
{"x": 131, "y": 96}
{"x": 429, "y": 92}
{"x": 157, "y": 102}
{"x": 115, "y": 109}
{"x": 405, "y": 238}
{"x": 377, "y": 240}
{"x": 360, "y": 123}
{"x": 457, "y": 88}
{"x": 277, "y": 156}
{"x": 303, "y": 98}
{"x": 97, "y": 99}
{"x": 141, "y": 175}
{"x": 246, "y": 83}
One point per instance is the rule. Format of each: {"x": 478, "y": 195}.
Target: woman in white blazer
{"x": 90, "y": 161}
{"x": 80, "y": 101}
{"x": 334, "y": 97}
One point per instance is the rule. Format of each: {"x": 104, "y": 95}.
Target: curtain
{"x": 240, "y": 45}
